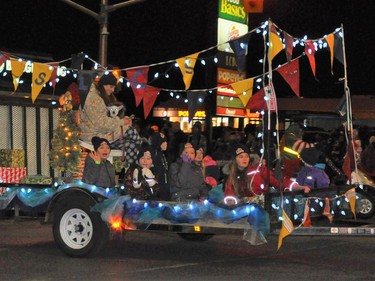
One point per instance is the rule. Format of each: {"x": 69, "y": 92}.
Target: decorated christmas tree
{"x": 65, "y": 153}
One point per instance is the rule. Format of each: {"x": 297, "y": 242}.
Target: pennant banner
{"x": 186, "y": 65}
{"x": 351, "y": 196}
{"x": 257, "y": 101}
{"x": 3, "y": 57}
{"x": 306, "y": 215}
{"x": 338, "y": 47}
{"x": 239, "y": 47}
{"x": 310, "y": 52}
{"x": 286, "y": 228}
{"x": 138, "y": 78}
{"x": 195, "y": 100}
{"x": 331, "y": 44}
{"x": 288, "y": 46}
{"x": 18, "y": 67}
{"x": 54, "y": 73}
{"x": 244, "y": 90}
{"x": 275, "y": 44}
{"x": 149, "y": 99}
{"x": 41, "y": 74}
{"x": 290, "y": 73}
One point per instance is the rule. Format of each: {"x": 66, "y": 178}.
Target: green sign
{"x": 232, "y": 10}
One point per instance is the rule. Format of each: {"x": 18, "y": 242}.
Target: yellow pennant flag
{"x": 41, "y": 74}
{"x": 351, "y": 196}
{"x": 286, "y": 228}
{"x": 18, "y": 67}
{"x": 331, "y": 44}
{"x": 276, "y": 45}
{"x": 244, "y": 90}
{"x": 186, "y": 65}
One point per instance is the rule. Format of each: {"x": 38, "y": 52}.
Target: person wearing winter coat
{"x": 98, "y": 170}
{"x": 186, "y": 178}
{"x": 159, "y": 145}
{"x": 140, "y": 181}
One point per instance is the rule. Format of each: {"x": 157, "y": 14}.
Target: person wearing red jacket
{"x": 247, "y": 180}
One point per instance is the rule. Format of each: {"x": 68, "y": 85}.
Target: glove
{"x": 186, "y": 158}
{"x": 148, "y": 176}
{"x": 136, "y": 183}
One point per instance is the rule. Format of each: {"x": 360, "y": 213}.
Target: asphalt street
{"x": 28, "y": 252}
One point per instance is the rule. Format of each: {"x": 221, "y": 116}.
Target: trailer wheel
{"x": 196, "y": 236}
{"x": 77, "y": 231}
{"x": 365, "y": 206}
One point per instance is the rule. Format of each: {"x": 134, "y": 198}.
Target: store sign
{"x": 227, "y": 76}
{"x": 61, "y": 70}
{"x": 233, "y": 10}
{"x": 185, "y": 113}
{"x": 226, "y": 60}
{"x": 229, "y": 30}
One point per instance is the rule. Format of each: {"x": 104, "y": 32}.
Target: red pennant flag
{"x": 288, "y": 46}
{"x": 3, "y": 57}
{"x": 149, "y": 99}
{"x": 54, "y": 73}
{"x": 290, "y": 73}
{"x": 138, "y": 78}
{"x": 257, "y": 101}
{"x": 327, "y": 210}
{"x": 310, "y": 51}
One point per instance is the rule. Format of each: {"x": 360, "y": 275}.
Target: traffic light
{"x": 253, "y": 6}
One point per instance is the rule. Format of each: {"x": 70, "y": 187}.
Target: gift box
{"x": 11, "y": 174}
{"x": 36, "y": 179}
{"x": 14, "y": 158}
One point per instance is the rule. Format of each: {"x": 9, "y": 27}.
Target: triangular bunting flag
{"x": 77, "y": 60}
{"x": 327, "y": 210}
{"x": 186, "y": 65}
{"x": 18, "y": 67}
{"x": 3, "y": 57}
{"x": 310, "y": 51}
{"x": 239, "y": 47}
{"x": 244, "y": 90}
{"x": 338, "y": 47}
{"x": 290, "y": 73}
{"x": 195, "y": 100}
{"x": 331, "y": 44}
{"x": 149, "y": 99}
{"x": 41, "y": 75}
{"x": 288, "y": 46}
{"x": 54, "y": 73}
{"x": 138, "y": 78}
{"x": 275, "y": 44}
{"x": 257, "y": 101}
{"x": 351, "y": 196}
{"x": 306, "y": 215}
{"x": 286, "y": 228}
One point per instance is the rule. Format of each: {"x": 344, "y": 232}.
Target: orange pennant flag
{"x": 244, "y": 90}
{"x": 286, "y": 228}
{"x": 310, "y": 52}
{"x": 327, "y": 210}
{"x": 331, "y": 44}
{"x": 149, "y": 99}
{"x": 306, "y": 215}
{"x": 186, "y": 65}
{"x": 275, "y": 44}
{"x": 351, "y": 196}
{"x": 41, "y": 74}
{"x": 18, "y": 67}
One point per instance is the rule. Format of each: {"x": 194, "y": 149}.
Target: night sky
{"x": 161, "y": 30}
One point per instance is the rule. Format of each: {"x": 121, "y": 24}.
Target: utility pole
{"x": 102, "y": 18}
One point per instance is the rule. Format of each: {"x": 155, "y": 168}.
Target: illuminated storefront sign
{"x": 233, "y": 10}
{"x": 61, "y": 70}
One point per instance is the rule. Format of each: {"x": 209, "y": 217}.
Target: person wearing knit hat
{"x": 140, "y": 181}
{"x": 95, "y": 119}
{"x": 309, "y": 174}
{"x": 98, "y": 170}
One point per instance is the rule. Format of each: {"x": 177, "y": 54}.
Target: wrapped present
{"x": 12, "y": 174}
{"x": 14, "y": 158}
{"x": 36, "y": 179}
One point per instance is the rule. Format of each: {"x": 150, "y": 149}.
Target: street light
{"x": 102, "y": 19}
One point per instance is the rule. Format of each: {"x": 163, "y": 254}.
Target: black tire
{"x": 365, "y": 206}
{"x": 77, "y": 231}
{"x": 200, "y": 237}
